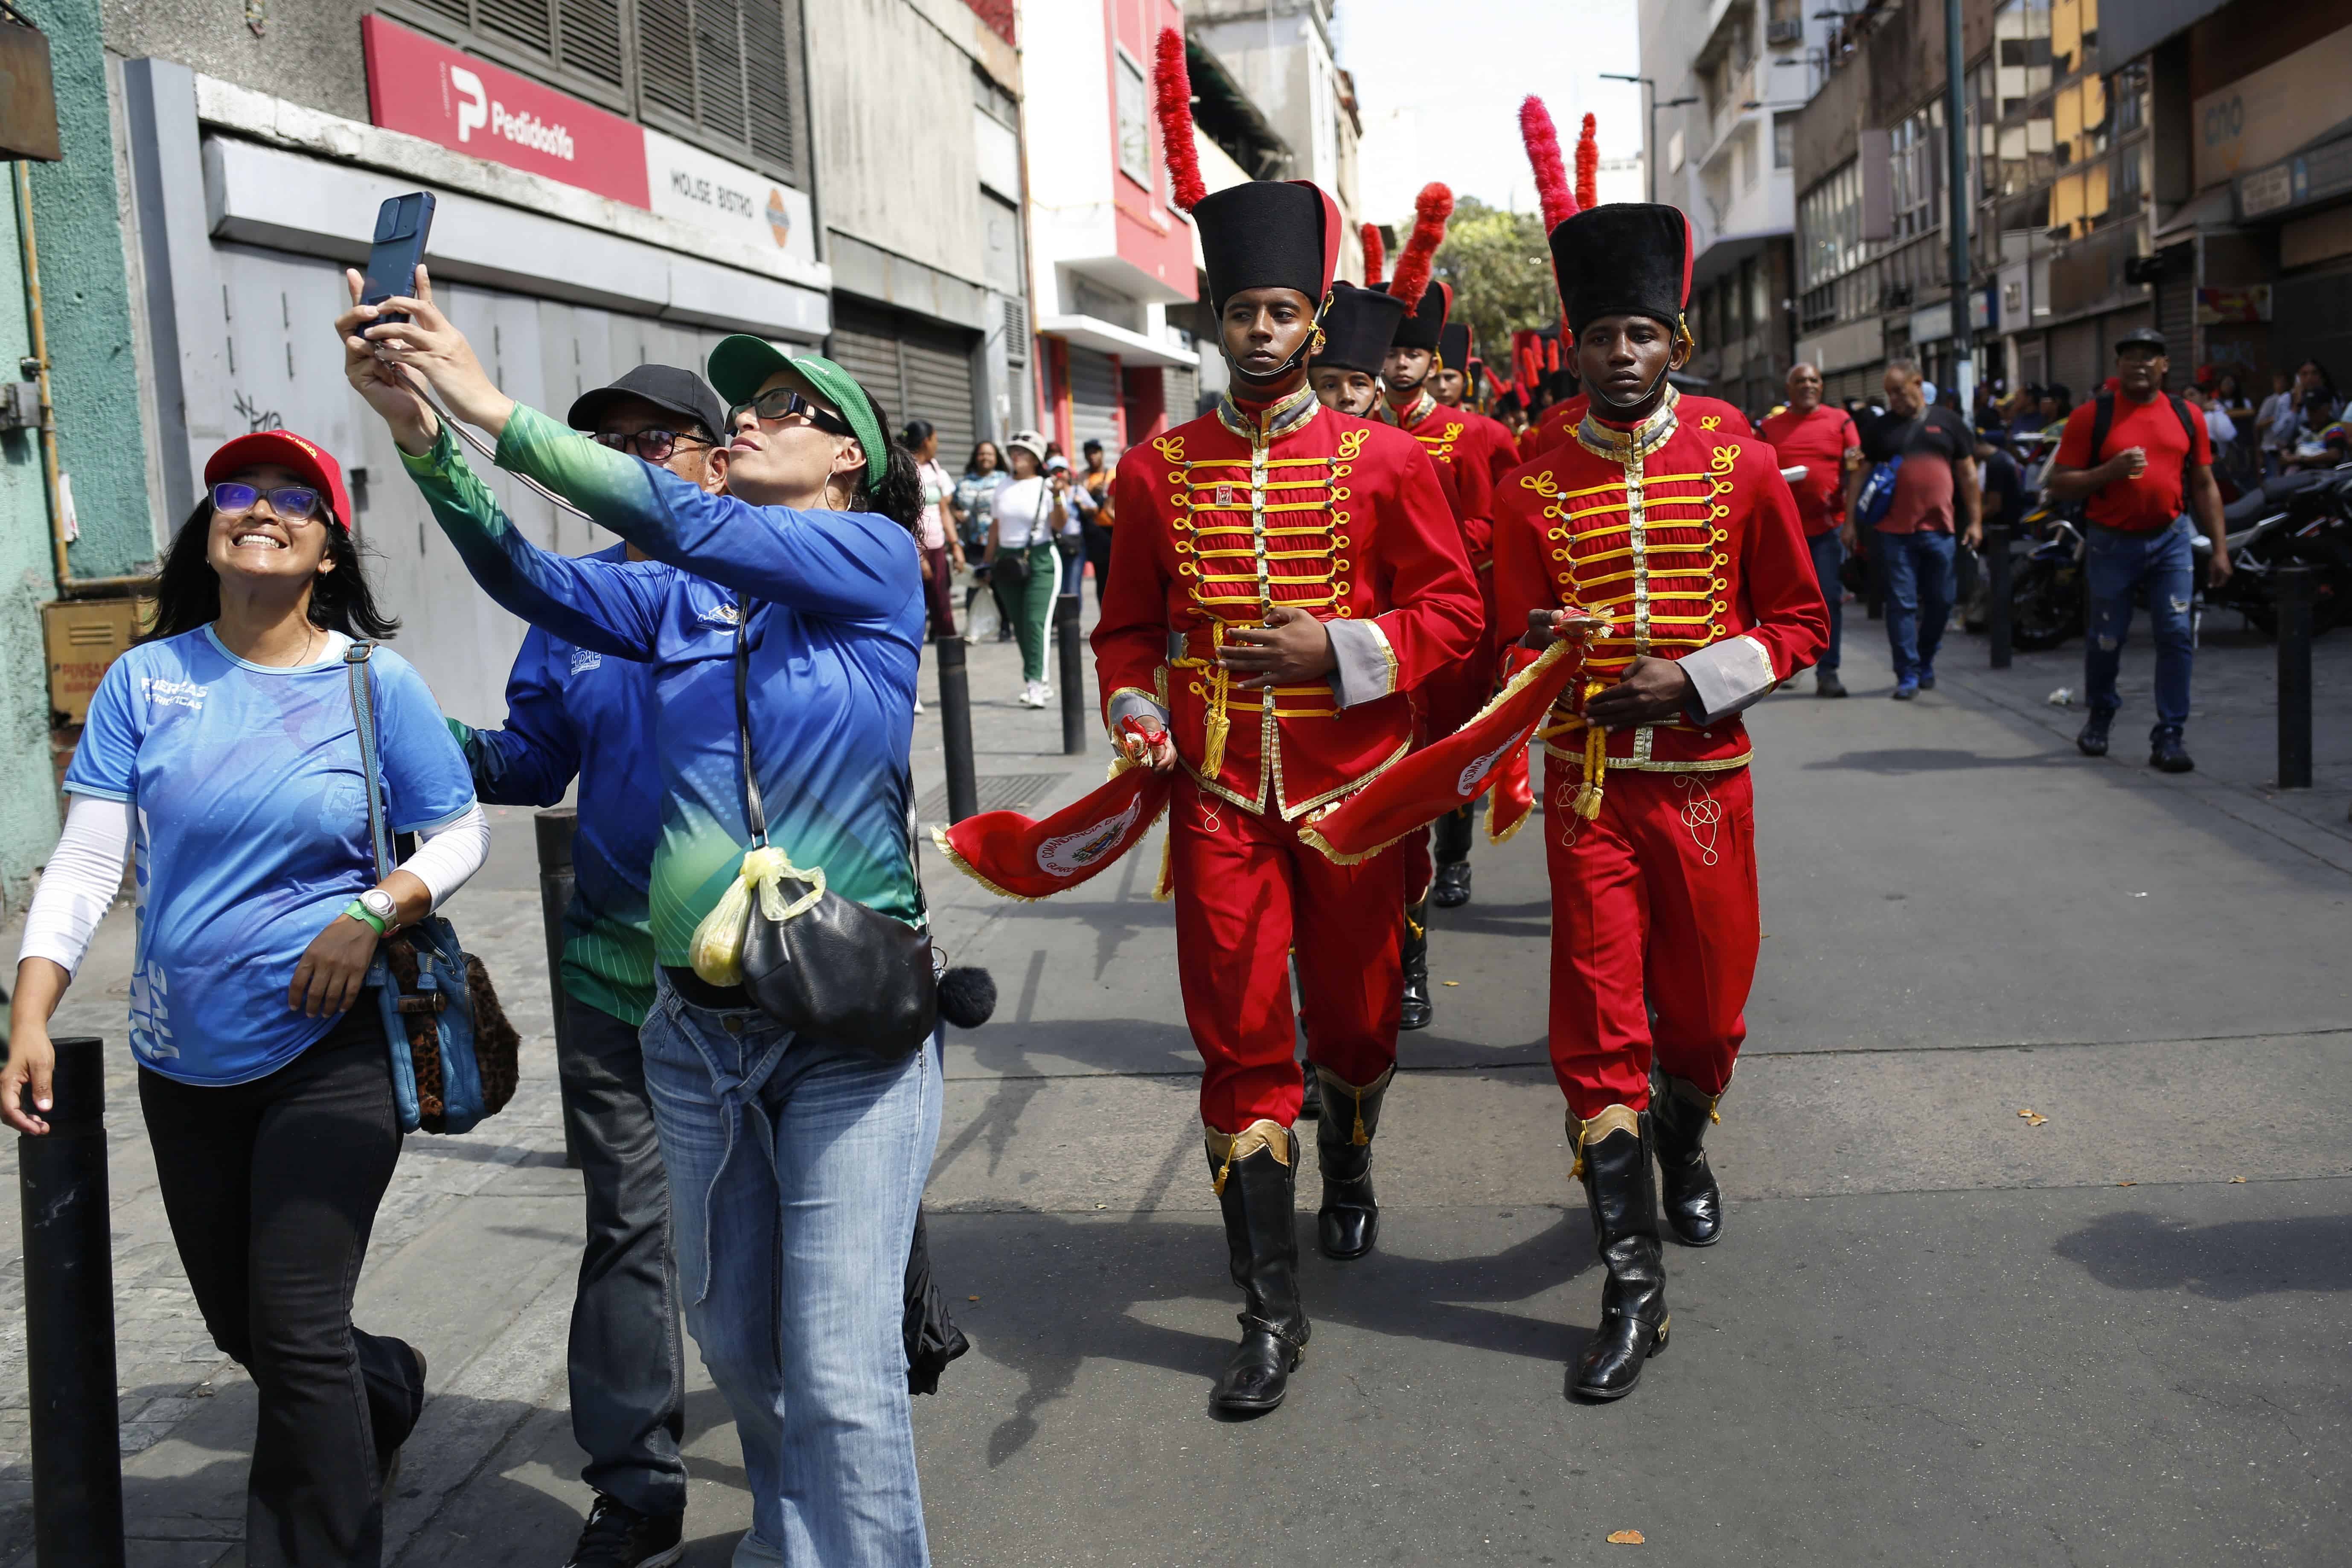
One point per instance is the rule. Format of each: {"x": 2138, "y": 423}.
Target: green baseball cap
{"x": 742, "y": 364}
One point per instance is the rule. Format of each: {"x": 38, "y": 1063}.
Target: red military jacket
{"x": 1445, "y": 434}
{"x": 1239, "y": 510}
{"x": 1555, "y": 427}
{"x": 1682, "y": 532}
{"x": 1492, "y": 439}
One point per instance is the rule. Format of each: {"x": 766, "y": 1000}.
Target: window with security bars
{"x": 723, "y": 74}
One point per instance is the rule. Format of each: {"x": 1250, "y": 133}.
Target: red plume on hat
{"x": 1587, "y": 165}
{"x": 1375, "y": 256}
{"x": 1172, "y": 101}
{"x": 1430, "y": 211}
{"x": 1542, "y": 139}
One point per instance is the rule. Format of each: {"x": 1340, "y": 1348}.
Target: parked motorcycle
{"x": 2310, "y": 528}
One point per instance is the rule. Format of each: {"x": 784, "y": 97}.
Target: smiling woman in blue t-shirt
{"x": 222, "y": 759}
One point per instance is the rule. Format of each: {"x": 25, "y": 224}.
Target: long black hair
{"x": 899, "y": 494}
{"x": 916, "y": 432}
{"x": 186, "y": 589}
{"x": 972, "y": 464}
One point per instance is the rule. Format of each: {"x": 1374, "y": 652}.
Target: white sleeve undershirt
{"x": 85, "y": 873}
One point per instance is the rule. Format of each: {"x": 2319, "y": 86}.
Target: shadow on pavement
{"x": 1073, "y": 1289}
{"x": 2227, "y": 1262}
{"x": 1900, "y": 760}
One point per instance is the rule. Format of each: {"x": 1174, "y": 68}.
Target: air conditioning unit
{"x": 1784, "y": 34}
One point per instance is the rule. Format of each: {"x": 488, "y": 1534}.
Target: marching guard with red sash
{"x": 1284, "y": 576}
{"x": 1663, "y": 514}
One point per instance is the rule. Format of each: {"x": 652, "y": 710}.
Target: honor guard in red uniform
{"x": 1283, "y": 576}
{"x": 1666, "y": 515}
{"x": 1450, "y": 385}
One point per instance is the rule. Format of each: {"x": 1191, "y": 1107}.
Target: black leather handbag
{"x": 832, "y": 968}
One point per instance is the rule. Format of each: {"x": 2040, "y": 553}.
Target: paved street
{"x": 1936, "y": 1331}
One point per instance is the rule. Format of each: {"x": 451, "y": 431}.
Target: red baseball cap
{"x": 287, "y": 450}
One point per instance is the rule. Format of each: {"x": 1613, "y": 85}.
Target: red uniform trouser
{"x": 1654, "y": 900}
{"x": 1248, "y": 896}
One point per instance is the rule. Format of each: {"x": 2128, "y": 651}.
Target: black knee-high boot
{"x": 1622, "y": 1194}
{"x": 1451, "y": 851}
{"x": 1350, "y": 1220}
{"x": 1256, "y": 1172}
{"x": 1680, "y": 1114}
{"x": 1417, "y": 1010}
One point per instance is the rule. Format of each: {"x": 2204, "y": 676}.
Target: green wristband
{"x": 359, "y": 912}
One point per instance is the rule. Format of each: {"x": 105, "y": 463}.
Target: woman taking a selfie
{"x": 795, "y": 1162}
{"x": 222, "y": 756}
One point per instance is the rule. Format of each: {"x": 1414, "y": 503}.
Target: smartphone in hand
{"x": 403, "y": 224}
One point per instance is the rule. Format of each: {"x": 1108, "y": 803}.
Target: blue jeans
{"x": 2117, "y": 564}
{"x": 1829, "y": 555}
{"x": 794, "y": 1170}
{"x": 1918, "y": 582}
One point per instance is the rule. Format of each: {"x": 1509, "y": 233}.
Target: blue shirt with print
{"x": 251, "y": 833}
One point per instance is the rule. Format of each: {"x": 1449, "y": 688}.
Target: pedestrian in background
{"x": 942, "y": 551}
{"x": 223, "y": 753}
{"x": 1926, "y": 458}
{"x": 1023, "y": 567}
{"x": 2273, "y": 421}
{"x": 573, "y": 712}
{"x": 1092, "y": 501}
{"x": 2138, "y": 457}
{"x": 1822, "y": 441}
{"x": 983, "y": 472}
{"x": 785, "y": 649}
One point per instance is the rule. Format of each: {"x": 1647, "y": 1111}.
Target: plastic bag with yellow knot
{"x": 783, "y": 890}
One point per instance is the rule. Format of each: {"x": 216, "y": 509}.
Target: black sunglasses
{"x": 781, "y": 403}
{"x": 293, "y": 503}
{"x": 653, "y": 446}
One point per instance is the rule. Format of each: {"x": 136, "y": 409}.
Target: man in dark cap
{"x": 571, "y": 712}
{"x": 1665, "y": 514}
{"x": 2140, "y": 459}
{"x": 1286, "y": 575}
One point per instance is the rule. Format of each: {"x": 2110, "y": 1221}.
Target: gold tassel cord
{"x": 1596, "y": 761}
{"x": 1217, "y": 726}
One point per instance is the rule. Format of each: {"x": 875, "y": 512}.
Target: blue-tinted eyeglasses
{"x": 294, "y": 503}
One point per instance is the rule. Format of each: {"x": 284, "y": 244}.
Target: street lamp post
{"x": 1650, "y": 143}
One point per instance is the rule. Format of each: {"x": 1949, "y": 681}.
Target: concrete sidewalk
{"x": 1936, "y": 1330}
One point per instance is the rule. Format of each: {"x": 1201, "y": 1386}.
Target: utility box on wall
{"x": 28, "y": 96}
{"x": 84, "y": 637}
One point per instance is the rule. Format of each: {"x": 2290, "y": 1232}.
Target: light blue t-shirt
{"x": 252, "y": 833}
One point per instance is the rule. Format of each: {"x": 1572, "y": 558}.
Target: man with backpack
{"x": 2137, "y": 456}
{"x": 1922, "y": 479}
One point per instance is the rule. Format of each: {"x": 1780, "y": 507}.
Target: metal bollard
{"x": 69, "y": 1320}
{"x": 1074, "y": 676}
{"x": 2295, "y": 586}
{"x": 1998, "y": 585}
{"x": 955, "y": 728}
{"x": 554, "y": 827}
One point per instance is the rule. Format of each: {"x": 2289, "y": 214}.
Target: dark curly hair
{"x": 186, "y": 589}
{"x": 899, "y": 495}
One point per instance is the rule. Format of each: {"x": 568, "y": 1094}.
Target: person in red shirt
{"x": 1934, "y": 489}
{"x": 1821, "y": 441}
{"x": 2137, "y": 456}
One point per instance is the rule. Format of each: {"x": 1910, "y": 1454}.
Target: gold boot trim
{"x": 1694, "y": 1092}
{"x": 1612, "y": 1119}
{"x": 1334, "y": 1083}
{"x": 1227, "y": 1147}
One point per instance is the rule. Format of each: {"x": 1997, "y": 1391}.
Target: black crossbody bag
{"x": 832, "y": 968}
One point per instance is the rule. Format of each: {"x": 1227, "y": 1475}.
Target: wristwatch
{"x": 374, "y": 907}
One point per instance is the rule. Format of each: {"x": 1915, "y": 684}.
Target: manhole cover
{"x": 998, "y": 792}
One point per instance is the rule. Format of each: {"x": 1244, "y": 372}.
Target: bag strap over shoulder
{"x": 755, "y": 811}
{"x": 355, "y": 663}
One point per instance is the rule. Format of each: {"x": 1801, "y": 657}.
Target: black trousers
{"x": 628, "y": 1357}
{"x": 271, "y": 1188}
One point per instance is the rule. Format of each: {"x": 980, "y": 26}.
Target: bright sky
{"x": 1439, "y": 86}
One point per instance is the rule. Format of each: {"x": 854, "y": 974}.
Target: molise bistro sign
{"x": 465, "y": 103}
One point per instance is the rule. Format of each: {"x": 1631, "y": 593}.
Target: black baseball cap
{"x": 665, "y": 386}
{"x": 2141, "y": 338}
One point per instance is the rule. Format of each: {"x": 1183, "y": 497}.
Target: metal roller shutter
{"x": 2074, "y": 358}
{"x": 1093, "y": 399}
{"x": 916, "y": 369}
{"x": 1182, "y": 394}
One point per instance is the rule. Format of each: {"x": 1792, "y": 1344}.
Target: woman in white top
{"x": 942, "y": 551}
{"x": 1023, "y": 566}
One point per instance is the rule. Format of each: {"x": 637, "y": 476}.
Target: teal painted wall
{"x": 93, "y": 376}
{"x": 29, "y": 813}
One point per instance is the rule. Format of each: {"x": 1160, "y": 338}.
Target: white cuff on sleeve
{"x": 1134, "y": 704}
{"x": 1727, "y": 677}
{"x": 1367, "y": 665}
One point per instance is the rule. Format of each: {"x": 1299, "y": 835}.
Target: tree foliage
{"x": 1500, "y": 270}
